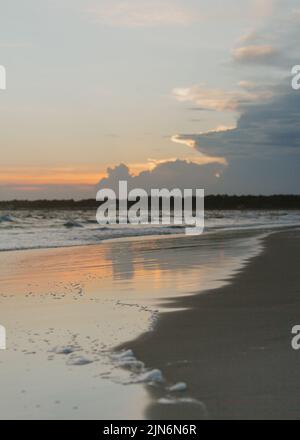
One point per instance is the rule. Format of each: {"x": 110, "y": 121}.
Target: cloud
{"x": 178, "y": 140}
{"x": 258, "y": 54}
{"x": 247, "y": 85}
{"x": 263, "y": 151}
{"x": 141, "y": 13}
{"x": 263, "y": 148}
{"x": 180, "y": 174}
{"x": 264, "y": 129}
{"x": 249, "y": 37}
{"x": 201, "y": 159}
{"x": 273, "y": 43}
{"x": 204, "y": 159}
{"x": 218, "y": 99}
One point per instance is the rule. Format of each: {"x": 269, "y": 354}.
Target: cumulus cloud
{"x": 180, "y": 174}
{"x": 256, "y": 153}
{"x": 141, "y": 13}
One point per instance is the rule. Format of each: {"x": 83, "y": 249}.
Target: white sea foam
{"x": 176, "y": 401}
{"x": 128, "y": 360}
{"x": 178, "y": 387}
{"x": 123, "y": 355}
{"x": 79, "y": 360}
{"x": 140, "y": 374}
{"x": 152, "y": 376}
{"x": 6, "y": 218}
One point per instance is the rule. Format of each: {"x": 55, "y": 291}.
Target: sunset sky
{"x": 164, "y": 93}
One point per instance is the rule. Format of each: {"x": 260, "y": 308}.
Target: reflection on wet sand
{"x": 147, "y": 269}
{"x": 65, "y": 310}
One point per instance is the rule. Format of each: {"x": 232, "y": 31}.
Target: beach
{"x": 149, "y": 211}
{"x": 152, "y": 327}
{"x": 232, "y": 346}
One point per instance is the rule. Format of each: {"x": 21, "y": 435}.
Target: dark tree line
{"x": 213, "y": 202}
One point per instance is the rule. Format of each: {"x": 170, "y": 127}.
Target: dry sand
{"x": 233, "y": 345}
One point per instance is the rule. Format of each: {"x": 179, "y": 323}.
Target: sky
{"x": 169, "y": 93}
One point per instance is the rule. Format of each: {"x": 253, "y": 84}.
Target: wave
{"x": 53, "y": 229}
{"x": 7, "y": 218}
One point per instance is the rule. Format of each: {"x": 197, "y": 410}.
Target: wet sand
{"x": 232, "y": 347}
{"x": 66, "y": 309}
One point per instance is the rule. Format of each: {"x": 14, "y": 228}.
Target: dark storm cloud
{"x": 263, "y": 151}
{"x": 270, "y": 128}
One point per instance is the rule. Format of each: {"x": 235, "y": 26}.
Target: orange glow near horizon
{"x": 50, "y": 176}
{"x": 30, "y": 177}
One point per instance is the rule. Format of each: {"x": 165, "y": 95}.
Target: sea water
{"x": 67, "y": 310}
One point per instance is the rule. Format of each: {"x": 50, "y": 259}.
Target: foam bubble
{"x": 79, "y": 360}
{"x": 152, "y": 376}
{"x": 128, "y": 360}
{"x": 178, "y": 387}
{"x": 177, "y": 401}
{"x": 123, "y": 355}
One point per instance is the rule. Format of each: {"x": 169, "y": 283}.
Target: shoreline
{"x": 232, "y": 345}
{"x": 163, "y": 236}
{"x": 36, "y": 232}
{"x": 66, "y": 310}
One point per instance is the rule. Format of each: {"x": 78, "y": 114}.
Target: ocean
{"x": 68, "y": 306}
{"x": 51, "y": 229}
